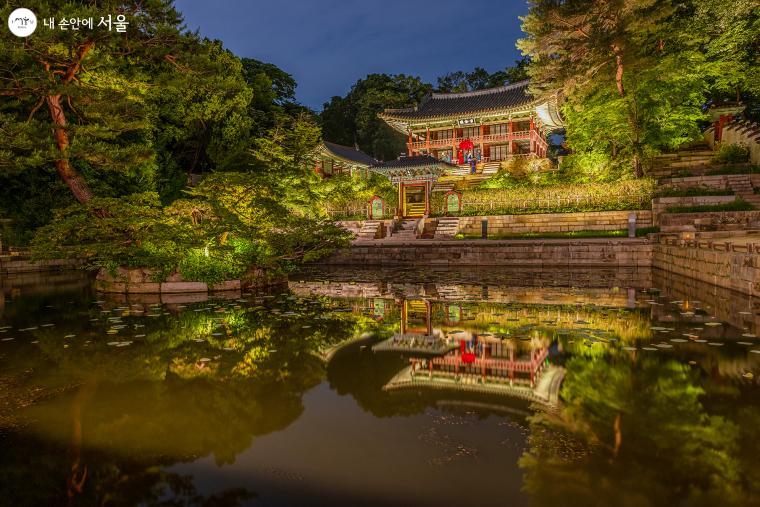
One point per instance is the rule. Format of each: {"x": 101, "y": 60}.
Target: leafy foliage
{"x": 353, "y": 118}
{"x": 635, "y": 73}
{"x": 731, "y": 154}
{"x": 479, "y": 78}
{"x": 622, "y": 195}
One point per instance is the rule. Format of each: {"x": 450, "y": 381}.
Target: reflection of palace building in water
{"x": 465, "y": 133}
{"x": 466, "y": 358}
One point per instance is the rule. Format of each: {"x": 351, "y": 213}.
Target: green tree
{"x": 353, "y": 118}
{"x": 77, "y": 100}
{"x": 624, "y": 65}
{"x": 480, "y": 78}
{"x": 629, "y": 423}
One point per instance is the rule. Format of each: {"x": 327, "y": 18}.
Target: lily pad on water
{"x": 744, "y": 343}
{"x": 648, "y": 348}
{"x": 716, "y": 344}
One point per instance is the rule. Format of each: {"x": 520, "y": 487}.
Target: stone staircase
{"x": 741, "y": 185}
{"x": 447, "y": 228}
{"x": 696, "y": 159}
{"x": 405, "y": 230}
{"x": 369, "y": 231}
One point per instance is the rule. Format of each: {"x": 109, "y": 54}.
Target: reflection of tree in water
{"x": 197, "y": 383}
{"x": 635, "y": 431}
{"x": 32, "y": 472}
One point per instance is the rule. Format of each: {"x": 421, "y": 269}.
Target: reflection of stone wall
{"x": 588, "y": 252}
{"x": 720, "y": 302}
{"x": 723, "y": 264}
{"x": 555, "y": 222}
{"x": 611, "y": 297}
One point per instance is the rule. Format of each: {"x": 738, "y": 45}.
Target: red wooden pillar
{"x": 510, "y": 131}
{"x": 481, "y": 134}
{"x": 409, "y": 144}
{"x": 723, "y": 120}
{"x": 454, "y": 145}
{"x": 400, "y": 211}
{"x": 403, "y": 317}
{"x": 427, "y": 140}
{"x": 511, "y": 365}
{"x": 532, "y": 135}
{"x": 428, "y": 314}
{"x": 428, "y": 190}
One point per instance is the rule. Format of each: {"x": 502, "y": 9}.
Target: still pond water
{"x": 370, "y": 388}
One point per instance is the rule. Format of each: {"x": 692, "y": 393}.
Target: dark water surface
{"x": 383, "y": 387}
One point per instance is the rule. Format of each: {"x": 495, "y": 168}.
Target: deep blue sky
{"x": 328, "y": 44}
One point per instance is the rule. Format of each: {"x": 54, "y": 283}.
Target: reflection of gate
{"x": 452, "y": 203}
{"x": 415, "y": 200}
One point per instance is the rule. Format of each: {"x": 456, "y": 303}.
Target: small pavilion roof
{"x": 417, "y": 167}
{"x": 349, "y": 153}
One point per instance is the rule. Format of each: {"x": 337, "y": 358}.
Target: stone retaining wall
{"x": 735, "y": 267}
{"x": 555, "y": 222}
{"x": 716, "y": 182}
{"x": 661, "y": 204}
{"x": 586, "y": 252}
{"x": 139, "y": 281}
{"x": 21, "y": 264}
{"x": 710, "y": 221}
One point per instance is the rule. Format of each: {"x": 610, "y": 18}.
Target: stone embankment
{"x": 581, "y": 252}
{"x": 731, "y": 262}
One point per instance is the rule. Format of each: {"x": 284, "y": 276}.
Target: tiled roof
{"x": 349, "y": 153}
{"x": 440, "y": 105}
{"x": 411, "y": 162}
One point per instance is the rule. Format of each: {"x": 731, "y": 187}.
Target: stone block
{"x": 174, "y": 287}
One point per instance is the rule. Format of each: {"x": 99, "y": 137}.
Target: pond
{"x": 373, "y": 387}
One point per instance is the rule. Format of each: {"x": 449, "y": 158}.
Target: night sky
{"x": 328, "y": 44}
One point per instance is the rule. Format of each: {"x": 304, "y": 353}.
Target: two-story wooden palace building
{"x": 461, "y": 133}
{"x": 486, "y": 125}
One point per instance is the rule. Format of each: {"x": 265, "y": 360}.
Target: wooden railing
{"x": 488, "y": 138}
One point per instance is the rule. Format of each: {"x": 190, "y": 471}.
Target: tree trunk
{"x": 618, "y": 435}
{"x": 78, "y": 473}
{"x": 68, "y": 174}
{"x": 619, "y": 70}
{"x": 638, "y": 168}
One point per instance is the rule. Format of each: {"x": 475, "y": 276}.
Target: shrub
{"x": 731, "y": 154}
{"x": 737, "y": 205}
{"x": 622, "y": 195}
{"x": 344, "y": 197}
{"x": 692, "y": 191}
